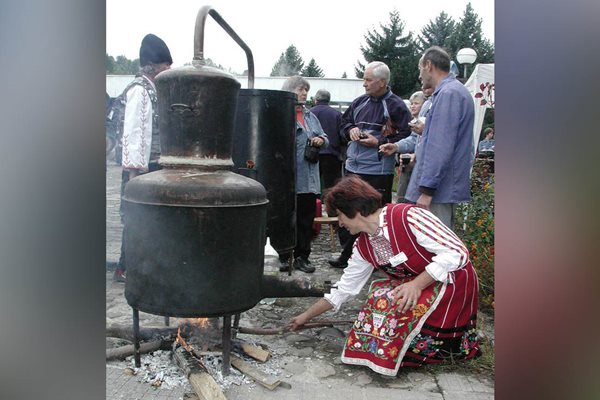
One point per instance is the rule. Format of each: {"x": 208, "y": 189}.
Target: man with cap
{"x": 141, "y": 143}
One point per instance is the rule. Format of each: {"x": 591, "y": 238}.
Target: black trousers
{"x": 383, "y": 184}
{"x": 306, "y": 206}
{"x": 330, "y": 169}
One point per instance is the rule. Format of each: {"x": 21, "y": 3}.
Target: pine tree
{"x": 290, "y": 63}
{"x": 468, "y": 34}
{"x": 398, "y": 52}
{"x": 437, "y": 33}
{"x": 312, "y": 69}
{"x": 344, "y": 75}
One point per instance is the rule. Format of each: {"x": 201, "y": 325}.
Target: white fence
{"x": 342, "y": 90}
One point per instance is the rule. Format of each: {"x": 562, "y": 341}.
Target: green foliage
{"x": 312, "y": 69}
{"x": 121, "y": 65}
{"x": 468, "y": 34}
{"x": 344, "y": 75}
{"x": 475, "y": 226}
{"x": 398, "y": 51}
{"x": 290, "y": 63}
{"x": 437, "y": 33}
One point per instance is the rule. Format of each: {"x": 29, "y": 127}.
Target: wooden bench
{"x": 331, "y": 221}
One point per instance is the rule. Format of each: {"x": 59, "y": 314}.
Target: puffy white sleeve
{"x": 431, "y": 233}
{"x": 137, "y": 129}
{"x": 355, "y": 276}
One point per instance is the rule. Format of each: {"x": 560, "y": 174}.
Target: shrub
{"x": 475, "y": 226}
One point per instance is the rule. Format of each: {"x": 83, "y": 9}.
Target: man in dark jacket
{"x": 377, "y": 117}
{"x": 330, "y": 157}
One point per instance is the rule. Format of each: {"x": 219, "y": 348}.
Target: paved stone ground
{"x": 308, "y": 360}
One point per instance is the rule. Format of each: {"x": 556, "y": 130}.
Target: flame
{"x": 201, "y": 322}
{"x": 182, "y": 341}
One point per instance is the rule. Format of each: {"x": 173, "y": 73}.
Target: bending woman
{"x": 425, "y": 309}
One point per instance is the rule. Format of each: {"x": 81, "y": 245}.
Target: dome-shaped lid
{"x": 195, "y": 188}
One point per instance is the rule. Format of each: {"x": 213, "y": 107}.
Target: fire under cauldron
{"x": 195, "y": 230}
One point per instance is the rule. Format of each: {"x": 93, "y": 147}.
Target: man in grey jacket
{"x": 441, "y": 177}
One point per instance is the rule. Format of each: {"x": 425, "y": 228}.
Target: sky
{"x": 330, "y": 31}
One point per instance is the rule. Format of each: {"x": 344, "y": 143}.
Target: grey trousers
{"x": 445, "y": 212}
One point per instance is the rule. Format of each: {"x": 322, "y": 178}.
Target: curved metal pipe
{"x": 199, "y": 40}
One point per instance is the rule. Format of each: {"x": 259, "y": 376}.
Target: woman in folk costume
{"x": 425, "y": 310}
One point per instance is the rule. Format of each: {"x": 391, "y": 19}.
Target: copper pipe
{"x": 199, "y": 40}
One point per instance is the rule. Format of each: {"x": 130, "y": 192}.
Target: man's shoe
{"x": 119, "y": 275}
{"x": 302, "y": 265}
{"x": 284, "y": 266}
{"x": 338, "y": 262}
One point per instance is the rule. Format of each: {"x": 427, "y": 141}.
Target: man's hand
{"x": 424, "y": 201}
{"x": 388, "y": 148}
{"x": 354, "y": 134}
{"x": 417, "y": 127}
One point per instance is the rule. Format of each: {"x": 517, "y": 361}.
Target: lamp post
{"x": 466, "y": 56}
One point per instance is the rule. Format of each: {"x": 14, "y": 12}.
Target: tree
{"x": 290, "y": 63}
{"x": 437, "y": 33}
{"x": 312, "y": 69}
{"x": 121, "y": 65}
{"x": 398, "y": 52}
{"x": 468, "y": 34}
{"x": 344, "y": 75}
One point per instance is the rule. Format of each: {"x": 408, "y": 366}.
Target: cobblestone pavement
{"x": 308, "y": 360}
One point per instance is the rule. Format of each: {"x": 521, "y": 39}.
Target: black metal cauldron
{"x": 264, "y": 133}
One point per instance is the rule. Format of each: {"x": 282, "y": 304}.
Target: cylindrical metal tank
{"x": 194, "y": 244}
{"x": 264, "y": 133}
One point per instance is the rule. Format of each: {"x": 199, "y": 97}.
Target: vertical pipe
{"x": 236, "y": 325}
{"x": 199, "y": 40}
{"x": 167, "y": 321}
{"x": 226, "y": 344}
{"x": 136, "y": 338}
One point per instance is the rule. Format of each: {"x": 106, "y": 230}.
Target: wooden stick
{"x": 282, "y": 330}
{"x": 126, "y": 332}
{"x": 201, "y": 381}
{"x": 120, "y": 353}
{"x": 269, "y": 382}
{"x": 258, "y": 353}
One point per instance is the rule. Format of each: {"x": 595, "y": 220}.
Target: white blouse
{"x": 430, "y": 232}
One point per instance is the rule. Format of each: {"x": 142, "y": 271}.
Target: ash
{"x": 159, "y": 370}
{"x": 214, "y": 364}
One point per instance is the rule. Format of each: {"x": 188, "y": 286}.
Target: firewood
{"x": 120, "y": 353}
{"x": 146, "y": 333}
{"x": 204, "y": 385}
{"x": 258, "y": 353}
{"x": 267, "y": 381}
{"x": 284, "y": 329}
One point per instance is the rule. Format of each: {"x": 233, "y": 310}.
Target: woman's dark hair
{"x": 351, "y": 195}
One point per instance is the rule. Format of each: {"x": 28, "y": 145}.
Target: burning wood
{"x": 201, "y": 381}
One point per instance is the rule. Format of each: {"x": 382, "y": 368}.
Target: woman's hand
{"x": 406, "y": 295}
{"x": 297, "y": 322}
{"x": 317, "y": 141}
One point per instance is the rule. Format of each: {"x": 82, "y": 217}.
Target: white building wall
{"x": 342, "y": 90}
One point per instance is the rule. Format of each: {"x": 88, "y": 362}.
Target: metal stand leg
{"x": 167, "y": 321}
{"x": 291, "y": 264}
{"x": 226, "y": 344}
{"x": 136, "y": 338}
{"x": 236, "y": 325}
